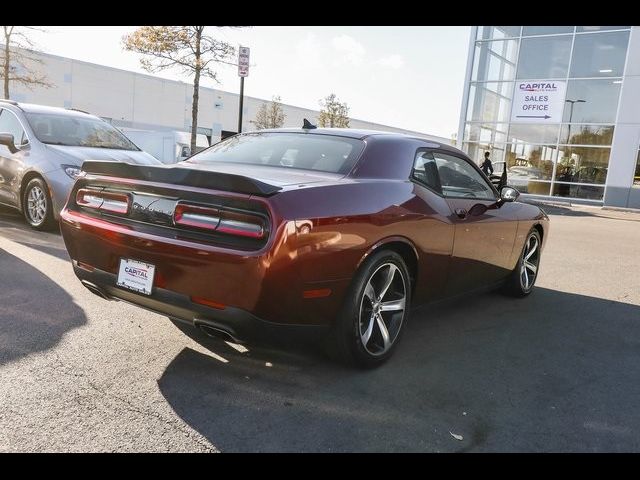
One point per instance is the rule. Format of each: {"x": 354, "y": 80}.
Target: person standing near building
{"x": 487, "y": 166}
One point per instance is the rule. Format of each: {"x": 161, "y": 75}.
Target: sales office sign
{"x": 538, "y": 101}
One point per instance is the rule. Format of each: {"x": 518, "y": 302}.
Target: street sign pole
{"x": 243, "y": 71}
{"x": 241, "y": 104}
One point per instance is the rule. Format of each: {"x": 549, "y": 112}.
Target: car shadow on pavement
{"x": 552, "y": 372}
{"x": 590, "y": 211}
{"x": 35, "y": 312}
{"x": 555, "y": 209}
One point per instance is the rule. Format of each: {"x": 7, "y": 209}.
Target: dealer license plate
{"x": 136, "y": 276}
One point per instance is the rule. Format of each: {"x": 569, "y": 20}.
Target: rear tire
{"x": 524, "y": 276}
{"x": 37, "y": 206}
{"x": 376, "y": 309}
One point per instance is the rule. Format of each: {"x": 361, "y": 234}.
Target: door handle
{"x": 461, "y": 213}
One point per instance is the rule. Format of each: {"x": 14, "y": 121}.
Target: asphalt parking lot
{"x": 557, "y": 371}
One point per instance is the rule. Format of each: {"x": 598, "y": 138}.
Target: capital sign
{"x": 538, "y": 101}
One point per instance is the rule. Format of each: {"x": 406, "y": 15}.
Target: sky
{"x": 406, "y": 77}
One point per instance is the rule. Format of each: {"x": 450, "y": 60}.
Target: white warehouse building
{"x": 137, "y": 101}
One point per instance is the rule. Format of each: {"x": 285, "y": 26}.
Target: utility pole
{"x": 241, "y": 104}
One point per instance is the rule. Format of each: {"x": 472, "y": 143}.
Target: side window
{"x": 460, "y": 179}
{"x": 425, "y": 170}
{"x": 10, "y": 124}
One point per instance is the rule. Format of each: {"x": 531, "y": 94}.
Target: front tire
{"x": 375, "y": 311}
{"x": 523, "y": 277}
{"x": 37, "y": 206}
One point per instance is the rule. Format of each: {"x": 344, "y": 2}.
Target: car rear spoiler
{"x": 176, "y": 175}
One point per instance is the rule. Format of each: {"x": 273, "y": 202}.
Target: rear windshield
{"x": 76, "y": 131}
{"x": 325, "y": 153}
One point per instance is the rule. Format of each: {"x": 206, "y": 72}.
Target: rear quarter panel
{"x": 338, "y": 226}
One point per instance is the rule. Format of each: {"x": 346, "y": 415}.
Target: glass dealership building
{"x": 582, "y": 144}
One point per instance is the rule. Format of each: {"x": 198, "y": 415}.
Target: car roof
{"x": 339, "y": 132}
{"x": 35, "y": 108}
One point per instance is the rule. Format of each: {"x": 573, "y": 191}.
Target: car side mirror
{"x": 7, "y": 139}
{"x": 509, "y": 194}
{"x": 478, "y": 209}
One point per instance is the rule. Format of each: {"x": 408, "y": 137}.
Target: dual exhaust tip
{"x": 210, "y": 330}
{"x": 216, "y": 332}
{"x": 94, "y": 289}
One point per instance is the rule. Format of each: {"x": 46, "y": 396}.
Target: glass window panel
{"x": 495, "y": 60}
{"x": 582, "y": 164}
{"x": 545, "y": 30}
{"x": 587, "y": 192}
{"x": 496, "y": 155}
{"x": 490, "y": 102}
{"x": 597, "y": 29}
{"x": 599, "y": 55}
{"x": 586, "y": 134}
{"x": 527, "y": 162}
{"x": 600, "y": 101}
{"x": 520, "y": 132}
{"x": 486, "y": 133}
{"x": 545, "y": 57}
{"x": 472, "y": 150}
{"x": 476, "y": 153}
{"x": 494, "y": 33}
{"x": 532, "y": 187}
{"x": 636, "y": 178}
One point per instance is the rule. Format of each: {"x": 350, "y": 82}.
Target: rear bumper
{"x": 266, "y": 283}
{"x": 240, "y": 325}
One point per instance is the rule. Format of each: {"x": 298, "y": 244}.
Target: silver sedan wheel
{"x": 530, "y": 262}
{"x": 382, "y": 309}
{"x": 36, "y": 205}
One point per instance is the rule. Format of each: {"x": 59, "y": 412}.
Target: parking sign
{"x": 243, "y": 61}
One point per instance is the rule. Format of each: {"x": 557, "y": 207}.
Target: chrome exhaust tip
{"x": 216, "y": 332}
{"x": 95, "y": 290}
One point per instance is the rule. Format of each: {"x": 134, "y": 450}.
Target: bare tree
{"x": 17, "y": 61}
{"x": 270, "y": 115}
{"x": 185, "y": 47}
{"x": 333, "y": 113}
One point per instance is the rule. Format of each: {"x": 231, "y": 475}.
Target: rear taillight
{"x": 195, "y": 216}
{"x": 219, "y": 220}
{"x": 103, "y": 201}
{"x": 235, "y": 223}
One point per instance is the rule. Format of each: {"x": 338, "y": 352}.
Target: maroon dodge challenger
{"x": 333, "y": 233}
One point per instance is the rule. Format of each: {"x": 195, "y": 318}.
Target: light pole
{"x": 572, "y": 102}
{"x": 565, "y": 188}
